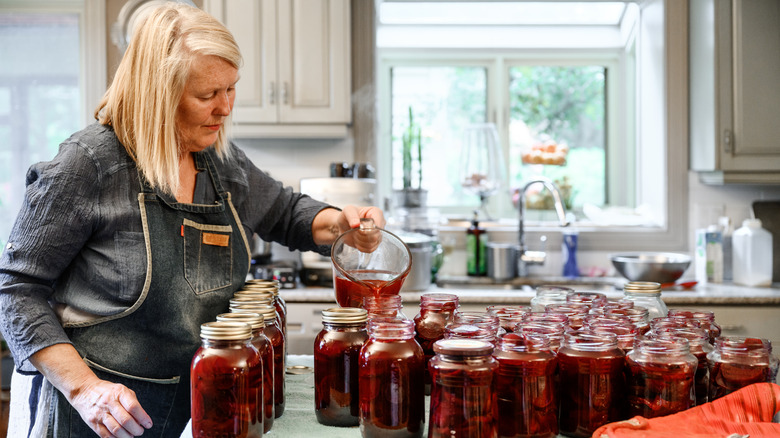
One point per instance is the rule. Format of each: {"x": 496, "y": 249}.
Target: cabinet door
{"x": 314, "y": 61}
{"x": 754, "y": 75}
{"x": 253, "y": 24}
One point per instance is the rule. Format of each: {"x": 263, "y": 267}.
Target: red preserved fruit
{"x": 698, "y": 340}
{"x": 525, "y": 387}
{"x": 737, "y": 362}
{"x": 274, "y": 335}
{"x": 392, "y": 403}
{"x": 374, "y": 282}
{"x": 592, "y": 384}
{"x": 436, "y": 311}
{"x": 336, "y": 367}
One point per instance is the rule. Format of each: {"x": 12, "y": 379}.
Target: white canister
{"x": 752, "y": 254}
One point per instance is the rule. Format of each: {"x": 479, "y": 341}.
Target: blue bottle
{"x": 569, "y": 250}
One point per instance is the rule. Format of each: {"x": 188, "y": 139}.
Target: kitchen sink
{"x": 595, "y": 284}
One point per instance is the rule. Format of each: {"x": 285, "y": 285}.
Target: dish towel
{"x": 747, "y": 412}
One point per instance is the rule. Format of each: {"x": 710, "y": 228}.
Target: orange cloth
{"x": 748, "y": 411}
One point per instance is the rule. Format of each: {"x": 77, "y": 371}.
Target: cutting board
{"x": 769, "y": 213}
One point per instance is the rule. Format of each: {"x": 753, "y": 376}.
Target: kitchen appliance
{"x": 317, "y": 270}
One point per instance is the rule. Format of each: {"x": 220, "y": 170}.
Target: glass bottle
{"x": 698, "y": 340}
{"x": 463, "y": 402}
{"x": 660, "y": 377}
{"x": 220, "y": 381}
{"x": 336, "y": 353}
{"x": 259, "y": 381}
{"x": 387, "y": 306}
{"x": 547, "y": 294}
{"x": 476, "y": 252}
{"x": 274, "y": 334}
{"x": 436, "y": 311}
{"x": 646, "y": 294}
{"x": 593, "y": 388}
{"x": 526, "y": 390}
{"x": 392, "y": 402}
{"x": 737, "y": 362}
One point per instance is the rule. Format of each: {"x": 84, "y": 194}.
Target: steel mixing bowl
{"x": 661, "y": 267}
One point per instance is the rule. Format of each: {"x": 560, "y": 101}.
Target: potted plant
{"x": 410, "y": 196}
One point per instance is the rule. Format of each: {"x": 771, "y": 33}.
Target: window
{"x": 620, "y": 64}
{"x": 42, "y": 92}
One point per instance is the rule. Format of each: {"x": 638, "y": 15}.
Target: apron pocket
{"x": 130, "y": 261}
{"x": 208, "y": 258}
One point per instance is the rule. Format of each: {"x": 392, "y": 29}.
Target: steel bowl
{"x": 661, "y": 267}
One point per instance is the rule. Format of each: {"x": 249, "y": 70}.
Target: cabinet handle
{"x": 728, "y": 141}
{"x": 272, "y": 93}
{"x": 284, "y": 93}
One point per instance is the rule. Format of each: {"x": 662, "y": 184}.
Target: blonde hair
{"x": 142, "y": 100}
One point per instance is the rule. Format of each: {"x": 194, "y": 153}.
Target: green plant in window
{"x": 412, "y": 141}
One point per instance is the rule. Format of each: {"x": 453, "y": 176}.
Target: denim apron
{"x": 197, "y": 256}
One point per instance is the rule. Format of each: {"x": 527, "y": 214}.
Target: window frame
{"x": 663, "y": 140}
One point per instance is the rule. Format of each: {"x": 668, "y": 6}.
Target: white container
{"x": 752, "y": 254}
{"x": 709, "y": 255}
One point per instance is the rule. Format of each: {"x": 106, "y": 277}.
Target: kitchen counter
{"x": 701, "y": 294}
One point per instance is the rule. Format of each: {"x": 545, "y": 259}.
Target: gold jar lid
{"x": 225, "y": 331}
{"x": 250, "y": 300}
{"x": 344, "y": 315}
{"x": 268, "y": 312}
{"x": 261, "y": 282}
{"x": 642, "y": 286}
{"x": 256, "y": 294}
{"x": 255, "y": 320}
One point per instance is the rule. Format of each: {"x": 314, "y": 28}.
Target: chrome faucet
{"x": 526, "y": 257}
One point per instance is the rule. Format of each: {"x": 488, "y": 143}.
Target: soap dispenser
{"x": 476, "y": 244}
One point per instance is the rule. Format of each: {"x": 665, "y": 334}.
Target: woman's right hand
{"x": 111, "y": 410}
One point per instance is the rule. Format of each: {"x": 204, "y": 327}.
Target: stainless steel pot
{"x": 426, "y": 260}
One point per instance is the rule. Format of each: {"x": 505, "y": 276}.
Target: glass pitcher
{"x": 368, "y": 261}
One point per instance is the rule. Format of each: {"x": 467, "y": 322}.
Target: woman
{"x": 135, "y": 234}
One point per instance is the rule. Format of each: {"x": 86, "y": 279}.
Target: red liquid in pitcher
{"x": 374, "y": 282}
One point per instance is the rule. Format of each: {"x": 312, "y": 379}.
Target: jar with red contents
{"x": 526, "y": 390}
{"x": 436, "y": 311}
{"x": 336, "y": 355}
{"x": 392, "y": 402}
{"x": 480, "y": 319}
{"x": 220, "y": 382}
{"x": 575, "y": 311}
{"x": 386, "y": 306}
{"x": 268, "y": 287}
{"x": 660, "y": 377}
{"x": 465, "y": 330}
{"x": 508, "y": 316}
{"x": 625, "y": 332}
{"x": 547, "y": 294}
{"x": 699, "y": 343}
{"x": 550, "y": 330}
{"x": 737, "y": 362}
{"x": 463, "y": 400}
{"x": 705, "y": 318}
{"x": 593, "y": 387}
{"x": 274, "y": 334}
{"x": 592, "y": 299}
{"x": 259, "y": 382}
{"x": 638, "y": 315}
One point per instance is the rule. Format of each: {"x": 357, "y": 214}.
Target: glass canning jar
{"x": 392, "y": 402}
{"x": 575, "y": 311}
{"x": 259, "y": 381}
{"x": 646, "y": 294}
{"x": 737, "y": 362}
{"x": 336, "y": 354}
{"x": 638, "y": 315}
{"x": 267, "y": 288}
{"x": 481, "y": 319}
{"x": 546, "y": 294}
{"x": 699, "y": 343}
{"x": 507, "y": 316}
{"x": 220, "y": 382}
{"x": 625, "y": 332}
{"x": 593, "y": 387}
{"x": 463, "y": 402}
{"x": 465, "y": 330}
{"x": 436, "y": 311}
{"x": 660, "y": 377}
{"x": 274, "y": 334}
{"x": 549, "y": 330}
{"x": 592, "y": 299}
{"x": 706, "y": 319}
{"x": 386, "y": 306}
{"x": 526, "y": 390}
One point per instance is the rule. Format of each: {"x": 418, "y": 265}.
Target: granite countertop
{"x": 701, "y": 294}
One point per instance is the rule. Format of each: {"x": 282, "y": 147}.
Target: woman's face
{"x": 206, "y": 102}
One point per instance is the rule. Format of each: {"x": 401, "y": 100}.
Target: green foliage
{"x": 412, "y": 140}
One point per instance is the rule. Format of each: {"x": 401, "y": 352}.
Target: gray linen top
{"x": 78, "y": 239}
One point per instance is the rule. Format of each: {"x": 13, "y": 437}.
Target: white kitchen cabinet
{"x": 295, "y": 81}
{"x": 735, "y": 98}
